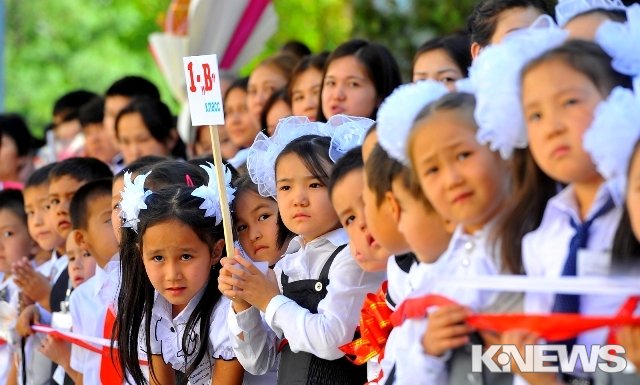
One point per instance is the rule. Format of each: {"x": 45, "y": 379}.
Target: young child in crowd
{"x": 81, "y": 267}
{"x": 357, "y": 76}
{"x": 97, "y": 142}
{"x": 277, "y": 107}
{"x": 15, "y": 243}
{"x": 317, "y": 277}
{"x": 304, "y": 86}
{"x": 175, "y": 247}
{"x": 239, "y": 122}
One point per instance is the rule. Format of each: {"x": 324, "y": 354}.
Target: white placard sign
{"x": 203, "y": 88}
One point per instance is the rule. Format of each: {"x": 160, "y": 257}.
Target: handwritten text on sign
{"x": 203, "y": 89}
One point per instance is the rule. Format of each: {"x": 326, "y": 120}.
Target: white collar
{"x": 337, "y": 237}
{"x": 162, "y": 308}
{"x": 565, "y": 201}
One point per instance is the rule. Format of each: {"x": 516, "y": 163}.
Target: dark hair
{"x": 241, "y": 83}
{"x": 350, "y": 161}
{"x": 457, "y": 46}
{"x": 379, "y": 63}
{"x": 139, "y": 164}
{"x": 617, "y": 15}
{"x": 12, "y": 200}
{"x": 173, "y": 172}
{"x": 68, "y": 105}
{"x": 92, "y": 112}
{"x": 588, "y": 59}
{"x": 39, "y": 177}
{"x": 381, "y": 170}
{"x": 244, "y": 184}
{"x": 313, "y": 150}
{"x": 532, "y": 189}
{"x": 157, "y": 119}
{"x": 310, "y": 61}
{"x": 81, "y": 169}
{"x": 131, "y": 86}
{"x": 295, "y": 48}
{"x": 626, "y": 247}
{"x": 14, "y": 126}
{"x": 279, "y": 95}
{"x": 79, "y": 206}
{"x": 136, "y": 297}
{"x": 483, "y": 20}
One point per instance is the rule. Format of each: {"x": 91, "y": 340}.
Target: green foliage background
{"x": 52, "y": 47}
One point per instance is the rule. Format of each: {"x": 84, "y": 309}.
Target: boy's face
{"x": 347, "y": 201}
{"x": 81, "y": 265}
{"x": 41, "y": 228}
{"x": 116, "y": 220}
{"x": 15, "y": 241}
{"x": 61, "y": 191}
{"x": 382, "y": 220}
{"x": 424, "y": 230}
{"x": 99, "y": 234}
{"x": 112, "y": 106}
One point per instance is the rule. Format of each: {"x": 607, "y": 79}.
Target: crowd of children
{"x": 363, "y": 210}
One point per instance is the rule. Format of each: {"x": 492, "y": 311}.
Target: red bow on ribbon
{"x": 552, "y": 327}
{"x": 375, "y": 327}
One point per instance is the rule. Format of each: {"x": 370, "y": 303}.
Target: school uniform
{"x": 89, "y": 304}
{"x": 257, "y": 351}
{"x": 545, "y": 251}
{"x": 323, "y": 291}
{"x": 468, "y": 255}
{"x": 9, "y": 298}
{"x": 167, "y": 333}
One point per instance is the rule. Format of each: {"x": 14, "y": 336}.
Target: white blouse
{"x": 167, "y": 333}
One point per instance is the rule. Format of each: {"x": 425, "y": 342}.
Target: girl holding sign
{"x": 174, "y": 245}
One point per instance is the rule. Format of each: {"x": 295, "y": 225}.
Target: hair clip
{"x": 133, "y": 199}
{"x": 209, "y": 193}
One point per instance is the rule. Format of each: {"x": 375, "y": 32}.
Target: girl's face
{"x": 584, "y": 27}
{"x": 424, "y": 230}
{"x": 278, "y": 110}
{"x": 9, "y": 159}
{"x": 305, "y": 93}
{"x": 303, "y": 200}
{"x": 116, "y": 220}
{"x": 177, "y": 262}
{"x": 136, "y": 141}
{"x": 437, "y": 65}
{"x": 15, "y": 241}
{"x": 465, "y": 182}
{"x": 348, "y": 89}
{"x": 558, "y": 104}
{"x": 240, "y": 124}
{"x": 633, "y": 195}
{"x": 256, "y": 222}
{"x": 349, "y": 205}
{"x": 264, "y": 81}
{"x": 81, "y": 266}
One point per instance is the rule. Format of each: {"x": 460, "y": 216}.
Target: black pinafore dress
{"x": 304, "y": 368}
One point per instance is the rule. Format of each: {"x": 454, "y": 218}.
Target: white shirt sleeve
{"x": 338, "y": 313}
{"x": 78, "y": 354}
{"x": 416, "y": 367}
{"x": 221, "y": 345}
{"x": 258, "y": 350}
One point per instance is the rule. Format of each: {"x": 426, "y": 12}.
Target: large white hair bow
{"x": 612, "y": 135}
{"x": 133, "y": 199}
{"x": 622, "y": 42}
{"x": 346, "y": 132}
{"x": 210, "y": 194}
{"x": 398, "y": 112}
{"x": 495, "y": 77}
{"x": 568, "y": 9}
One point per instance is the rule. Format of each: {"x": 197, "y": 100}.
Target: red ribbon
{"x": 375, "y": 327}
{"x": 248, "y": 22}
{"x": 552, "y": 327}
{"x": 110, "y": 372}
